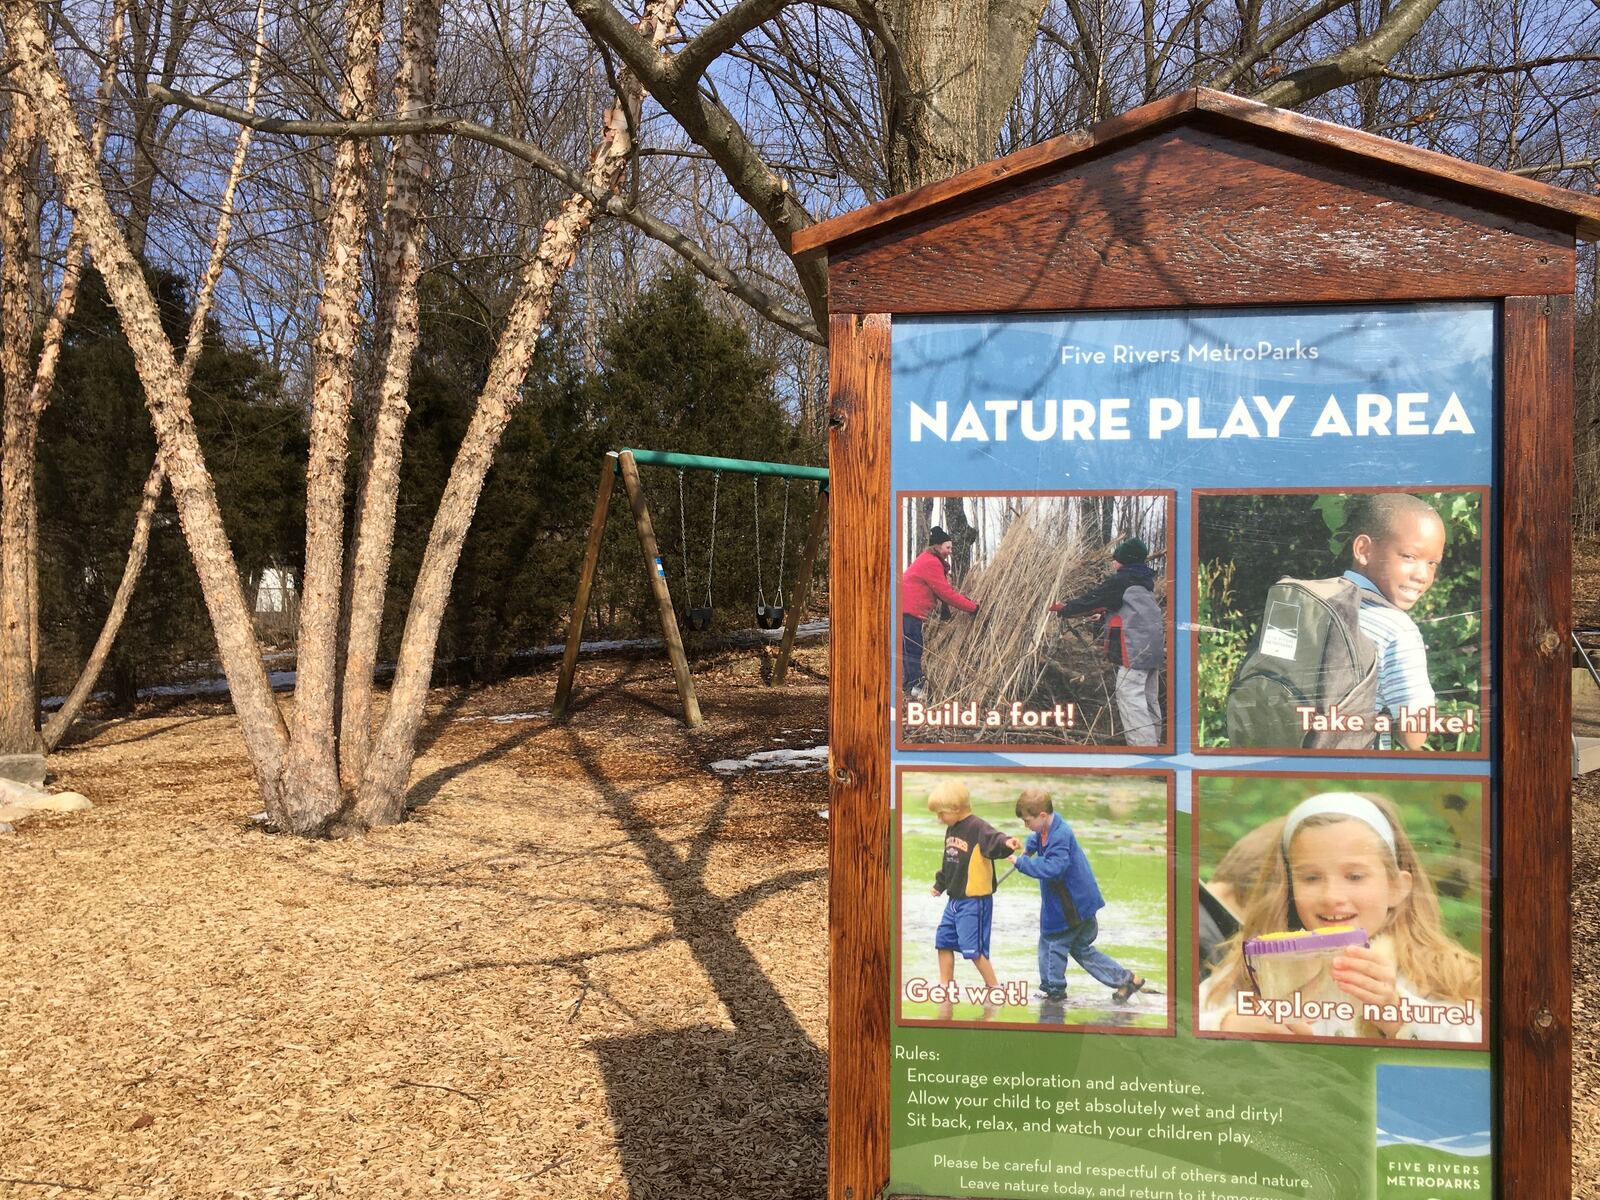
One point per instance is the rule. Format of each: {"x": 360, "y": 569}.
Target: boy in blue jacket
{"x": 1069, "y": 898}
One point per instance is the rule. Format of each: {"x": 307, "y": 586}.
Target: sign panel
{"x": 1193, "y": 787}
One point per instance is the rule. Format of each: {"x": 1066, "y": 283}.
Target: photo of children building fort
{"x": 1036, "y": 619}
{"x": 1035, "y": 898}
{"x": 1340, "y": 908}
{"x": 1337, "y": 622}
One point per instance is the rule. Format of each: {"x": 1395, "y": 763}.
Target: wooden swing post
{"x": 580, "y": 603}
{"x": 626, "y": 463}
{"x": 819, "y": 522}
{"x": 658, "y": 587}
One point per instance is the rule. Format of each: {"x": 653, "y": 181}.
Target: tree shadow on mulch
{"x": 712, "y": 1113}
{"x": 705, "y": 1111}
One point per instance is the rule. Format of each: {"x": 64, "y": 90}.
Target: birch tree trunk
{"x": 38, "y": 75}
{"x": 381, "y": 799}
{"x": 313, "y": 793}
{"x": 139, "y": 547}
{"x": 19, "y": 707}
{"x": 155, "y": 483}
{"x": 394, "y": 346}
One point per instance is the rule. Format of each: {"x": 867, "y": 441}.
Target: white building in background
{"x": 275, "y": 592}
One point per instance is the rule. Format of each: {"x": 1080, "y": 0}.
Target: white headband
{"x": 1342, "y": 804}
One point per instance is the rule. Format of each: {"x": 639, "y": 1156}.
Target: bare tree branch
{"x": 1512, "y": 68}
{"x": 1271, "y": 38}
{"x": 1582, "y": 164}
{"x": 721, "y": 35}
{"x": 313, "y": 768}
{"x": 387, "y": 402}
{"x": 702, "y": 156}
{"x": 713, "y": 127}
{"x": 1358, "y": 61}
{"x": 611, "y": 203}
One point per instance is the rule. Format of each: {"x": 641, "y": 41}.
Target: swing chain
{"x": 755, "y": 488}
{"x": 783, "y": 543}
{"x": 711, "y": 562}
{"x": 683, "y": 541}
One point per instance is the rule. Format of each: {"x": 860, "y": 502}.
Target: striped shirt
{"x": 1402, "y": 658}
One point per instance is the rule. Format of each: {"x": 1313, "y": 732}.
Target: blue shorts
{"x": 965, "y": 926}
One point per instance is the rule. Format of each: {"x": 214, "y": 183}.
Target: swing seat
{"x": 769, "y": 616}
{"x": 700, "y": 618}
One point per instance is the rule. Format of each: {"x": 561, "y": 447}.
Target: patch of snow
{"x": 280, "y": 681}
{"x": 749, "y": 637}
{"x": 739, "y": 637}
{"x": 812, "y": 758}
{"x": 507, "y": 718}
{"x": 556, "y": 650}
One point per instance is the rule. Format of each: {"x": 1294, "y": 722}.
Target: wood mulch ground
{"x": 1586, "y": 986}
{"x": 586, "y": 966}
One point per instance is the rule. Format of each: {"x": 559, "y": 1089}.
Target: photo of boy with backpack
{"x": 1348, "y": 643}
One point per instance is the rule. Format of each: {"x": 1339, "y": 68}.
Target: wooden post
{"x": 858, "y": 793}
{"x": 580, "y": 605}
{"x": 658, "y": 589}
{"x": 819, "y": 522}
{"x": 1534, "y": 1141}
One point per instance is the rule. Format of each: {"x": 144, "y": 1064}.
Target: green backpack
{"x": 1308, "y": 649}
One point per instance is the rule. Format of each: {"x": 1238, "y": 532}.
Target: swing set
{"x": 770, "y": 613}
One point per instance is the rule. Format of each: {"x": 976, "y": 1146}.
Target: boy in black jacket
{"x": 966, "y": 878}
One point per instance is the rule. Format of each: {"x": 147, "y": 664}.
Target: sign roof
{"x": 1320, "y": 141}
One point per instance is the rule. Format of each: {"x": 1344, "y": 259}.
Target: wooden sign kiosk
{"x": 1208, "y": 201}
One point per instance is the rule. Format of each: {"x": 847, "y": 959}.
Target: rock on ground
{"x": 19, "y": 802}
{"x": 23, "y": 768}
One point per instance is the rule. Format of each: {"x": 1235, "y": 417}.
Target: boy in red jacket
{"x": 925, "y": 583}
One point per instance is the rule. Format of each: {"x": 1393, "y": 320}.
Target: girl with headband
{"x": 1344, "y": 859}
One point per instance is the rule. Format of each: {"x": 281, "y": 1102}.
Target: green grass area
{"x": 1121, "y": 822}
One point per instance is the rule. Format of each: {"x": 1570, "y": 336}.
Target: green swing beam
{"x": 732, "y": 466}
{"x": 625, "y": 464}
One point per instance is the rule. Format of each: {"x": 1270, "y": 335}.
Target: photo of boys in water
{"x": 1340, "y": 908}
{"x": 1037, "y": 619}
{"x": 1341, "y": 622}
{"x": 1036, "y": 898}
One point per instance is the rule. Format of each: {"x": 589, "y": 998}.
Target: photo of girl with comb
{"x": 1343, "y": 924}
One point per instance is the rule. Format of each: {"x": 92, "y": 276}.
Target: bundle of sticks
{"x": 1001, "y": 654}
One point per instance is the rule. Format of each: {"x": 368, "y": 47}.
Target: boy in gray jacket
{"x": 1136, "y": 638}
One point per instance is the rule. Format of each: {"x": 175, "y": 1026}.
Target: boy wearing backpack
{"x": 1345, "y": 642}
{"x": 1136, "y": 638}
{"x": 1395, "y": 550}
